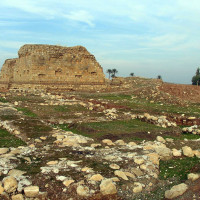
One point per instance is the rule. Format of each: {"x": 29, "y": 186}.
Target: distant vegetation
{"x": 159, "y": 77}
{"x": 196, "y": 78}
{"x": 112, "y": 72}
{"x": 132, "y": 74}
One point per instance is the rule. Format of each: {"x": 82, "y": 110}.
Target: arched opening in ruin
{"x": 41, "y": 75}
{"x": 93, "y": 73}
{"x": 58, "y": 72}
{"x": 78, "y": 76}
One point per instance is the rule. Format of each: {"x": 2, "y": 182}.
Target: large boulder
{"x": 10, "y": 184}
{"x": 187, "y": 151}
{"x": 176, "y": 191}
{"x": 107, "y": 187}
{"x": 31, "y": 191}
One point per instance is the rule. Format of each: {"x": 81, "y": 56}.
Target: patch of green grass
{"x": 112, "y": 128}
{"x": 42, "y": 128}
{"x": 30, "y": 168}
{"x": 3, "y": 100}
{"x": 115, "y": 97}
{"x": 9, "y": 140}
{"x": 183, "y": 136}
{"x": 26, "y": 112}
{"x": 8, "y": 117}
{"x": 32, "y": 127}
{"x": 178, "y": 168}
{"x": 158, "y": 193}
{"x": 19, "y": 98}
{"x": 65, "y": 127}
{"x": 124, "y": 126}
{"x": 99, "y": 167}
{"x": 139, "y": 105}
{"x": 60, "y": 108}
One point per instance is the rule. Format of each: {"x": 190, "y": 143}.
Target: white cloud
{"x": 123, "y": 33}
{"x": 30, "y": 6}
{"x": 166, "y": 41}
{"x": 80, "y": 16}
{"x": 10, "y": 44}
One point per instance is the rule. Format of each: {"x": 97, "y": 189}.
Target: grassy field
{"x": 26, "y": 112}
{"x": 3, "y": 100}
{"x": 142, "y": 105}
{"x": 126, "y": 129}
{"x": 9, "y": 140}
{"x": 179, "y": 168}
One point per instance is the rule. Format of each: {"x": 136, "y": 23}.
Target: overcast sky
{"x": 146, "y": 37}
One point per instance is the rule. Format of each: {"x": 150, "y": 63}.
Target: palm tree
{"x": 198, "y": 72}
{"x": 109, "y": 71}
{"x": 114, "y": 71}
{"x": 132, "y": 74}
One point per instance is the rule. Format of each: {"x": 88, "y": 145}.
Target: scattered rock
{"x": 96, "y": 177}
{"x": 193, "y": 176}
{"x": 31, "y": 191}
{"x": 129, "y": 174}
{"x": 18, "y": 197}
{"x": 86, "y": 169}
{"x": 137, "y": 172}
{"x": 164, "y": 153}
{"x": 121, "y": 174}
{"x": 95, "y": 145}
{"x": 82, "y": 190}
{"x": 68, "y": 182}
{"x": 107, "y": 187}
{"x": 137, "y": 187}
{"x": 114, "y": 166}
{"x": 154, "y": 158}
{"x": 139, "y": 161}
{"x": 120, "y": 142}
{"x": 160, "y": 139}
{"x": 115, "y": 179}
{"x": 16, "y": 173}
{"x": 43, "y": 138}
{"x": 108, "y": 142}
{"x": 38, "y": 140}
{"x": 52, "y": 162}
{"x": 10, "y": 184}
{"x": 3, "y": 150}
{"x": 132, "y": 144}
{"x": 176, "y": 191}
{"x": 176, "y": 153}
{"x": 187, "y": 151}
{"x": 1, "y": 189}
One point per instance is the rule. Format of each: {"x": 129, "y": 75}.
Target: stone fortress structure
{"x": 50, "y": 66}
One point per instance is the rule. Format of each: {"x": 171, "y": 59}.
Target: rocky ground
{"x": 98, "y": 146}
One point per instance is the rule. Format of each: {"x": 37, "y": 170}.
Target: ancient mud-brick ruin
{"x": 49, "y": 66}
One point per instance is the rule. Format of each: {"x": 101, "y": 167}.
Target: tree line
{"x": 196, "y": 78}
{"x": 112, "y": 73}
